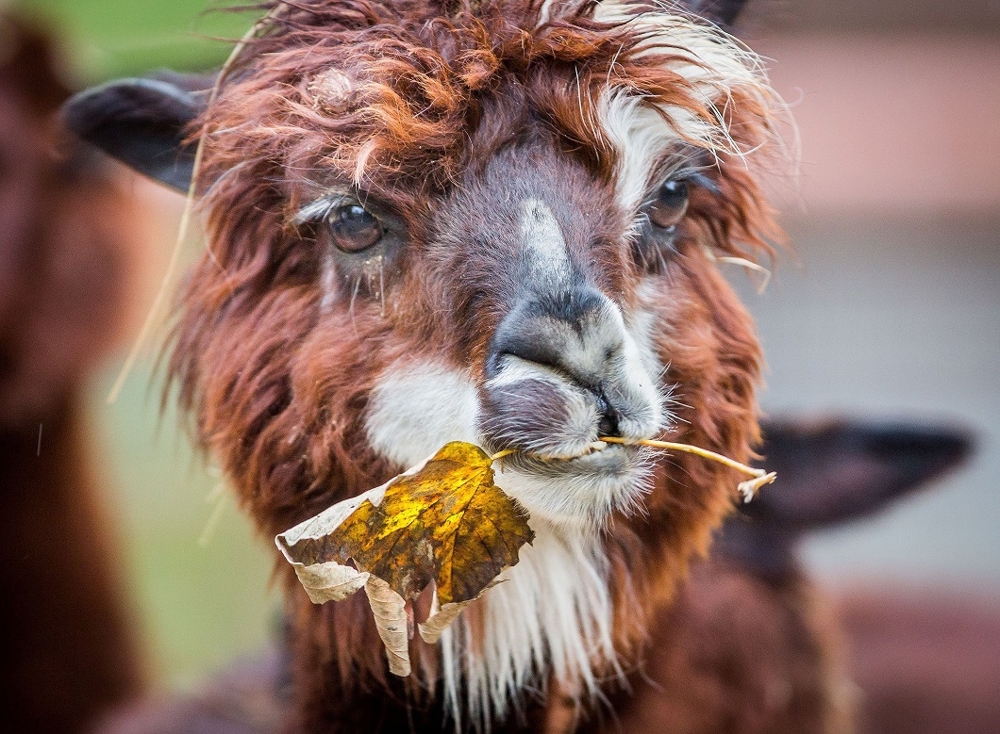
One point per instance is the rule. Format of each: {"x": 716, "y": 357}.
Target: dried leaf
{"x": 444, "y": 521}
{"x": 389, "y": 609}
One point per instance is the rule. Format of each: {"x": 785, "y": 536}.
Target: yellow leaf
{"x": 444, "y": 521}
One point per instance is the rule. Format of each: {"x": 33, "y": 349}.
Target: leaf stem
{"x": 759, "y": 477}
{"x": 704, "y": 453}
{"x": 747, "y": 489}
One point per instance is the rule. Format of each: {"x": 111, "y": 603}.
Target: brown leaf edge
{"x": 334, "y": 581}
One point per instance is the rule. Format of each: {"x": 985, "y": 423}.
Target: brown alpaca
{"x": 66, "y": 647}
{"x": 490, "y": 221}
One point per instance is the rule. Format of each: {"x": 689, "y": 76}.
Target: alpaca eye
{"x": 671, "y": 204}
{"x": 353, "y": 228}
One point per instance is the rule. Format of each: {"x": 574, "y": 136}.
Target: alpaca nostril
{"x": 607, "y": 425}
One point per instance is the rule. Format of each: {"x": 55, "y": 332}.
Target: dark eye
{"x": 671, "y": 204}
{"x": 353, "y": 228}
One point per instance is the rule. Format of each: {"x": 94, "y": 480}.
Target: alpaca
{"x": 68, "y": 651}
{"x": 488, "y": 221}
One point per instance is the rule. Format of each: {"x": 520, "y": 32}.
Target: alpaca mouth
{"x": 577, "y": 491}
{"x": 598, "y": 459}
{"x": 586, "y": 450}
{"x": 555, "y": 423}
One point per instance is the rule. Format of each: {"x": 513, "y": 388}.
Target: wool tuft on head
{"x": 492, "y": 222}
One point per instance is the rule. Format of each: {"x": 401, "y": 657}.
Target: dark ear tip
{"x": 729, "y": 11}
{"x": 82, "y": 114}
{"x": 141, "y": 122}
{"x": 724, "y": 12}
{"x": 841, "y": 469}
{"x": 89, "y": 112}
{"x": 933, "y": 450}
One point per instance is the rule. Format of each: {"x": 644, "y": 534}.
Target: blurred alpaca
{"x": 67, "y": 650}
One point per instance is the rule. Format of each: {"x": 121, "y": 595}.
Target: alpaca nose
{"x": 572, "y": 332}
{"x": 607, "y": 425}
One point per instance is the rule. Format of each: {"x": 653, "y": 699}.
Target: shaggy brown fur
{"x": 738, "y": 653}
{"x": 280, "y": 390}
{"x": 437, "y": 115}
{"x": 67, "y": 650}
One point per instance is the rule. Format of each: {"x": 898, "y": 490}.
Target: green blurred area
{"x": 198, "y": 576}
{"x": 108, "y": 38}
{"x": 200, "y": 604}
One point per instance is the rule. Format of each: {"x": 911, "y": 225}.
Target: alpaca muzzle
{"x": 562, "y": 368}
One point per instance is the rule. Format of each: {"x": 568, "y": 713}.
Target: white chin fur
{"x": 614, "y": 479}
{"x": 552, "y": 615}
{"x": 418, "y": 407}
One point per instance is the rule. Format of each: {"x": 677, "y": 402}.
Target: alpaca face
{"x": 492, "y": 222}
{"x": 543, "y": 348}
{"x": 483, "y": 227}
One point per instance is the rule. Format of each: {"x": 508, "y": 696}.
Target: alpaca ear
{"x": 724, "y": 12}
{"x": 843, "y": 470}
{"x": 144, "y": 123}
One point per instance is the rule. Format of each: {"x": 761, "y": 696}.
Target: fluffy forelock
{"x": 386, "y": 97}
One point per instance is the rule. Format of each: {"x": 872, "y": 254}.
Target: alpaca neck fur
{"x": 550, "y": 619}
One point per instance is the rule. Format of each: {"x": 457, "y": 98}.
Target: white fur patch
{"x": 542, "y": 236}
{"x": 545, "y": 11}
{"x": 712, "y": 62}
{"x": 582, "y": 501}
{"x": 552, "y": 615}
{"x": 416, "y": 408}
{"x": 640, "y": 136}
{"x": 708, "y": 58}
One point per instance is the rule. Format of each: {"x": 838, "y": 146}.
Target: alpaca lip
{"x": 598, "y": 458}
{"x": 585, "y": 451}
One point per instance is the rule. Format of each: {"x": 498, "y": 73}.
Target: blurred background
{"x": 888, "y": 305}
